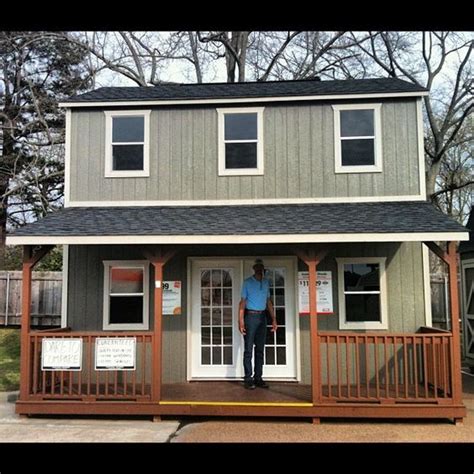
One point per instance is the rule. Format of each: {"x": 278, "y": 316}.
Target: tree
{"x": 37, "y": 70}
{"x": 441, "y": 62}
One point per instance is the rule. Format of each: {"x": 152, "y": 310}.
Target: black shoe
{"x": 261, "y": 384}
{"x": 249, "y": 384}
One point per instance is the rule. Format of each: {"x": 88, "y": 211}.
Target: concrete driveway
{"x": 107, "y": 430}
{"x": 332, "y": 431}
{"x": 65, "y": 429}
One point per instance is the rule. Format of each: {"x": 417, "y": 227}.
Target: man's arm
{"x": 242, "y": 304}
{"x": 271, "y": 310}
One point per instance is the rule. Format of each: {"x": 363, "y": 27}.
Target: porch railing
{"x": 89, "y": 383}
{"x": 390, "y": 368}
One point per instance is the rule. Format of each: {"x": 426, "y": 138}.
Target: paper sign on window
{"x": 324, "y": 299}
{"x": 172, "y": 297}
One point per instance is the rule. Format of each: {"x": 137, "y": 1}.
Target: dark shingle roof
{"x": 247, "y": 90}
{"x": 388, "y": 217}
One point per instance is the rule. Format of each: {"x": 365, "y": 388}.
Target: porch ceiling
{"x": 276, "y": 223}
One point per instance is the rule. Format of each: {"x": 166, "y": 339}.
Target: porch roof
{"x": 259, "y": 223}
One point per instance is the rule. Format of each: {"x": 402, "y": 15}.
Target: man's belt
{"x": 251, "y": 311}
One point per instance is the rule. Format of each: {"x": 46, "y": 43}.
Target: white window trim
{"x": 143, "y": 264}
{"x": 383, "y": 324}
{"x": 109, "y": 171}
{"x": 377, "y": 166}
{"x": 222, "y": 171}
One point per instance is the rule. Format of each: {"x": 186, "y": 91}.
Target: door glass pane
{"x": 276, "y": 343}
{"x": 216, "y": 316}
{"x": 281, "y": 356}
{"x": 269, "y": 355}
{"x": 206, "y": 278}
{"x": 228, "y": 355}
{"x": 205, "y": 355}
{"x": 227, "y": 316}
{"x": 205, "y": 317}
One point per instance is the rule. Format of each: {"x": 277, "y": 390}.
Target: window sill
{"x": 358, "y": 169}
{"x": 127, "y": 174}
{"x": 241, "y": 172}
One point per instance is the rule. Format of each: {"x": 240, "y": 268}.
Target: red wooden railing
{"x": 376, "y": 367}
{"x": 88, "y": 383}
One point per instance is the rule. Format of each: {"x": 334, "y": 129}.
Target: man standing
{"x": 253, "y": 323}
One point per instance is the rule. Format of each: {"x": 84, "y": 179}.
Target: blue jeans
{"x": 256, "y": 331}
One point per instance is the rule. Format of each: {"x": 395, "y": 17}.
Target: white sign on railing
{"x": 115, "y": 353}
{"x": 61, "y": 354}
{"x": 323, "y": 296}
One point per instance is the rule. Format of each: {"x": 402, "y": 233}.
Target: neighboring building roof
{"x": 247, "y": 90}
{"x": 469, "y": 245}
{"x": 243, "y": 220}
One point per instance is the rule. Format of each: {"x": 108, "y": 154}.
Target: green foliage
{"x": 52, "y": 262}
{"x": 9, "y": 359}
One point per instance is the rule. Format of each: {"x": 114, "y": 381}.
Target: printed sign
{"x": 323, "y": 296}
{"x": 61, "y": 354}
{"x": 171, "y": 297}
{"x": 115, "y": 353}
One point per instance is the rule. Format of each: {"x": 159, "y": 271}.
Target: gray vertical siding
{"x": 85, "y": 300}
{"x": 298, "y": 147}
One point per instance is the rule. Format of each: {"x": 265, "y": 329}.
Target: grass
{"x": 9, "y": 359}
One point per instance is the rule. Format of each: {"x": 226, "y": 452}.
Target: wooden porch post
{"x": 158, "y": 260}
{"x": 30, "y": 259}
{"x": 450, "y": 258}
{"x": 313, "y": 328}
{"x": 312, "y": 259}
{"x": 454, "y": 310}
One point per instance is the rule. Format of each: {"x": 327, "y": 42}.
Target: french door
{"x": 216, "y": 348}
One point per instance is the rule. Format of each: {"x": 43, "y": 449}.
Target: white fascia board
{"x": 246, "y": 100}
{"x": 235, "y": 239}
{"x": 240, "y": 202}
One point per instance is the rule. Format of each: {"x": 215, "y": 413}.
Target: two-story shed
{"x": 173, "y": 191}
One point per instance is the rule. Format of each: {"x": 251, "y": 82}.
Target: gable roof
{"x": 327, "y": 222}
{"x": 248, "y": 90}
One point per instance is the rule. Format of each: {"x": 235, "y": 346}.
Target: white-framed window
{"x": 357, "y": 138}
{"x": 240, "y": 135}
{"x": 127, "y": 143}
{"x": 126, "y": 295}
{"x": 362, "y": 290}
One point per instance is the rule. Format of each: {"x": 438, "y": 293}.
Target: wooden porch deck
{"x": 234, "y": 392}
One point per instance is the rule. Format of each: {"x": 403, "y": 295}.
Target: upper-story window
{"x": 127, "y": 144}
{"x": 240, "y": 141}
{"x": 358, "y": 140}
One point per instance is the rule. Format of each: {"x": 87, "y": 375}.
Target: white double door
{"x": 216, "y": 345}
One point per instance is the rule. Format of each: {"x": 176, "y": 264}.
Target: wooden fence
{"x": 45, "y": 298}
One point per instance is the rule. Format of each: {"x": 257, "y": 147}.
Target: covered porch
{"x": 353, "y": 373}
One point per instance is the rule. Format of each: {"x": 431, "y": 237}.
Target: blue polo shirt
{"x": 256, "y": 293}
